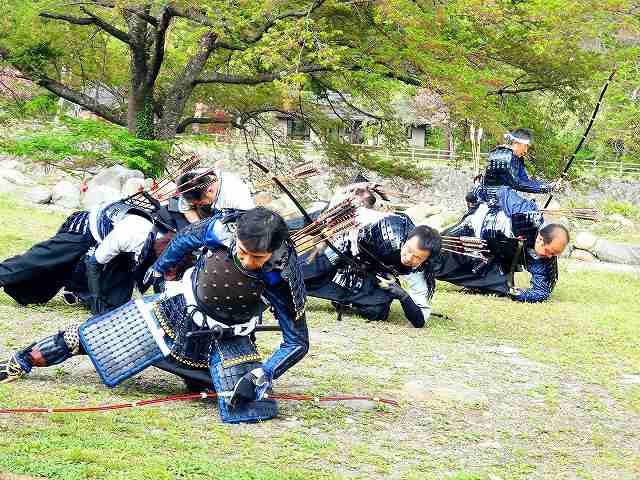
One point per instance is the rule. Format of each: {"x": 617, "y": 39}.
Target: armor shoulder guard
{"x": 499, "y": 170}
{"x": 526, "y": 225}
{"x": 388, "y": 233}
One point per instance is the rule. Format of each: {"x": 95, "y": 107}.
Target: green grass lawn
{"x": 497, "y": 390}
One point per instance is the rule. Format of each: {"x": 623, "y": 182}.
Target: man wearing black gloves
{"x": 363, "y": 275}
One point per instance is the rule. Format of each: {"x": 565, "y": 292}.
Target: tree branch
{"x": 200, "y": 120}
{"x": 535, "y": 88}
{"x": 193, "y": 14}
{"x": 81, "y": 99}
{"x": 158, "y": 47}
{"x": 107, "y": 27}
{"x": 91, "y": 20}
{"x": 346, "y": 102}
{"x": 262, "y": 30}
{"x": 257, "y": 79}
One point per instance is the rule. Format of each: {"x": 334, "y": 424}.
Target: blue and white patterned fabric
{"x": 504, "y": 168}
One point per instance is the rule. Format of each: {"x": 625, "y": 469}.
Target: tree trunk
{"x": 140, "y": 116}
{"x": 177, "y": 97}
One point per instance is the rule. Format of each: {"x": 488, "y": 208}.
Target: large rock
{"x": 14, "y": 176}
{"x": 420, "y": 213}
{"x": 426, "y": 391}
{"x": 617, "y": 218}
{"x": 435, "y": 221}
{"x": 133, "y": 185}
{"x": 585, "y": 240}
{"x": 13, "y": 164}
{"x": 114, "y": 177}
{"x": 6, "y": 186}
{"x": 613, "y": 252}
{"x": 66, "y": 194}
{"x": 583, "y": 255}
{"x": 99, "y": 194}
{"x": 40, "y": 195}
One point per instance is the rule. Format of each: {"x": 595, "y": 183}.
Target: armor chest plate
{"x": 225, "y": 292}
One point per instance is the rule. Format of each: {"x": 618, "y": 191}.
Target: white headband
{"x": 512, "y": 138}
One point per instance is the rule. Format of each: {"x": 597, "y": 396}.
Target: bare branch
{"x": 90, "y": 20}
{"x": 81, "y": 99}
{"x": 158, "y": 47}
{"x": 257, "y": 79}
{"x": 534, "y": 88}
{"x": 193, "y": 14}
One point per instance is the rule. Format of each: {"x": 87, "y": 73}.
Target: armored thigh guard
{"x": 230, "y": 360}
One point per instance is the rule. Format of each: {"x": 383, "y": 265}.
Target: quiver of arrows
{"x": 328, "y": 225}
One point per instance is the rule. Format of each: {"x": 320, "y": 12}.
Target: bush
{"x": 626, "y": 209}
{"x": 84, "y": 144}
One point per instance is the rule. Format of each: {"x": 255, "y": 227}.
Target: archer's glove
{"x": 155, "y": 279}
{"x": 392, "y": 286}
{"x": 249, "y": 388}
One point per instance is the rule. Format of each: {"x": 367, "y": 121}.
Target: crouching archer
{"x": 201, "y": 332}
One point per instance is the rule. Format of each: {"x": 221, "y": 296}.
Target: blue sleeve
{"x": 511, "y": 202}
{"x": 295, "y": 336}
{"x": 188, "y": 240}
{"x": 523, "y": 183}
{"x": 542, "y": 283}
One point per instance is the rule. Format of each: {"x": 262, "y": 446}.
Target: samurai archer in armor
{"x": 383, "y": 250}
{"x": 515, "y": 234}
{"x": 203, "y": 330}
{"x": 99, "y": 254}
{"x": 505, "y": 166}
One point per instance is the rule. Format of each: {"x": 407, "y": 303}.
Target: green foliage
{"x": 626, "y": 209}
{"x": 34, "y": 59}
{"x": 41, "y": 107}
{"x": 85, "y": 144}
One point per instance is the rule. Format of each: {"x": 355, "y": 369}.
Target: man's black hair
{"x": 549, "y": 232}
{"x": 261, "y": 230}
{"x": 429, "y": 239}
{"x": 192, "y": 185}
{"x": 523, "y": 134}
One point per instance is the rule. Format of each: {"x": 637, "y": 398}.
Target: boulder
{"x": 15, "y": 177}
{"x": 12, "y": 164}
{"x": 583, "y": 255}
{"x": 40, "y": 195}
{"x": 426, "y": 391}
{"x": 99, "y": 194}
{"x": 420, "y": 213}
{"x": 617, "y": 218}
{"x": 435, "y": 221}
{"x": 114, "y": 177}
{"x": 132, "y": 185}
{"x": 66, "y": 194}
{"x": 6, "y": 186}
{"x": 585, "y": 240}
{"x": 613, "y": 252}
